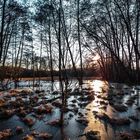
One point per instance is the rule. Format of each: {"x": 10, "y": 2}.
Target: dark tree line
{"x": 113, "y": 25}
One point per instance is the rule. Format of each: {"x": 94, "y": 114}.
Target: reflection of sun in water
{"x": 99, "y": 88}
{"x": 97, "y": 85}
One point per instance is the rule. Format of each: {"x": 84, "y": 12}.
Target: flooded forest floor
{"x": 100, "y": 111}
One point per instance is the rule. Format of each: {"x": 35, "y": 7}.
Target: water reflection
{"x": 106, "y": 132}
{"x": 100, "y": 86}
{"x": 73, "y": 129}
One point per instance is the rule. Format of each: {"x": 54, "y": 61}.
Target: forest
{"x": 69, "y": 63}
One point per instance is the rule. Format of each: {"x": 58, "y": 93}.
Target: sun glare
{"x": 98, "y": 85}
{"x": 96, "y": 57}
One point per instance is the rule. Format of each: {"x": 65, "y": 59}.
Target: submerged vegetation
{"x": 99, "y": 111}
{"x": 51, "y": 54}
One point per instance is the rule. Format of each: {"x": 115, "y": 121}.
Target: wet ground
{"x": 99, "y": 106}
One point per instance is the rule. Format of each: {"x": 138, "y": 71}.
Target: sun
{"x": 96, "y": 57}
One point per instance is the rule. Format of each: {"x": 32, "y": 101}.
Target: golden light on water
{"x": 99, "y": 88}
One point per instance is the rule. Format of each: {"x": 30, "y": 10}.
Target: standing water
{"x": 109, "y": 109}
